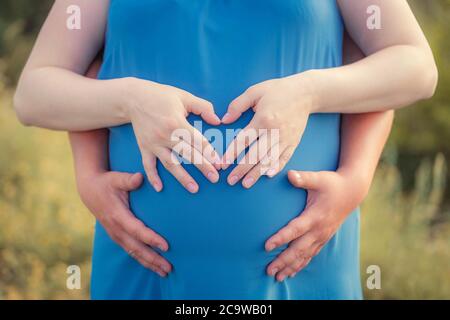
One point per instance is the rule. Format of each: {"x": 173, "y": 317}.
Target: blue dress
{"x": 216, "y": 49}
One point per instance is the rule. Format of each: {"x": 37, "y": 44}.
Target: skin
{"x": 54, "y": 93}
{"x": 331, "y": 195}
{"x": 362, "y": 86}
{"x": 105, "y": 194}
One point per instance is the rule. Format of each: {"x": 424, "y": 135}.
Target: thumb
{"x": 204, "y": 109}
{"x": 241, "y": 104}
{"x": 304, "y": 179}
{"x": 126, "y": 181}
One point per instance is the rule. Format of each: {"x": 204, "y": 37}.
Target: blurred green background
{"x": 44, "y": 227}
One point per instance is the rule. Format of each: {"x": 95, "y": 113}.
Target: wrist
{"x": 359, "y": 179}
{"x": 126, "y": 89}
{"x": 86, "y": 177}
{"x": 307, "y": 83}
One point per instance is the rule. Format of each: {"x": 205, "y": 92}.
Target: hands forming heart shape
{"x": 281, "y": 105}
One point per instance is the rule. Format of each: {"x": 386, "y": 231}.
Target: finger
{"x": 244, "y": 138}
{"x": 302, "y": 266}
{"x": 280, "y": 160}
{"x": 125, "y": 181}
{"x": 149, "y": 163}
{"x": 290, "y": 269}
{"x": 293, "y": 230}
{"x": 199, "y": 142}
{"x": 172, "y": 164}
{"x": 297, "y": 265}
{"x": 127, "y": 221}
{"x": 303, "y": 179}
{"x": 202, "y": 108}
{"x": 145, "y": 255}
{"x": 241, "y": 104}
{"x": 251, "y": 159}
{"x": 194, "y": 157}
{"x": 265, "y": 167}
{"x": 297, "y": 250}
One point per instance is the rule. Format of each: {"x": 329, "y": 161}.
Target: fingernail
{"x": 298, "y": 176}
{"x": 293, "y": 275}
{"x": 226, "y": 117}
{"x": 248, "y": 182}
{"x": 192, "y": 187}
{"x": 271, "y": 172}
{"x": 273, "y": 272}
{"x": 216, "y": 118}
{"x": 233, "y": 180}
{"x": 162, "y": 248}
{"x": 212, "y": 176}
{"x": 157, "y": 186}
{"x": 270, "y": 247}
{"x": 281, "y": 278}
{"x": 161, "y": 274}
{"x": 166, "y": 269}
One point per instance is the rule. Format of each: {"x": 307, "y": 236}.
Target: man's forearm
{"x": 363, "y": 137}
{"x": 90, "y": 151}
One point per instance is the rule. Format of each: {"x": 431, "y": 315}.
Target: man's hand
{"x": 106, "y": 196}
{"x": 331, "y": 198}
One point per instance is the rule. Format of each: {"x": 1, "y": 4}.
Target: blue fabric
{"x": 215, "y": 49}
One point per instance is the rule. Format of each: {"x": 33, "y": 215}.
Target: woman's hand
{"x": 282, "y": 107}
{"x": 105, "y": 194}
{"x": 331, "y": 198}
{"x": 158, "y": 115}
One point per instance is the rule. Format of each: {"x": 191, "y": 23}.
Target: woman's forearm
{"x": 52, "y": 91}
{"x": 363, "y": 136}
{"x": 389, "y": 79}
{"x": 398, "y": 68}
{"x": 59, "y": 99}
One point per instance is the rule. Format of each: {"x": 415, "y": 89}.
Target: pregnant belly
{"x": 222, "y": 225}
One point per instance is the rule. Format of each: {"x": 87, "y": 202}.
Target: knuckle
{"x": 135, "y": 233}
{"x": 160, "y": 133}
{"x": 287, "y": 258}
{"x": 114, "y": 218}
{"x": 171, "y": 125}
{"x": 145, "y": 264}
{"x": 285, "y": 157}
{"x": 267, "y": 120}
{"x": 151, "y": 259}
{"x": 251, "y": 90}
{"x": 114, "y": 237}
{"x": 208, "y": 106}
{"x": 168, "y": 163}
{"x": 299, "y": 254}
{"x": 138, "y": 253}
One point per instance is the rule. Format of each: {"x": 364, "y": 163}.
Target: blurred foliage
{"x": 407, "y": 235}
{"x": 45, "y": 227}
